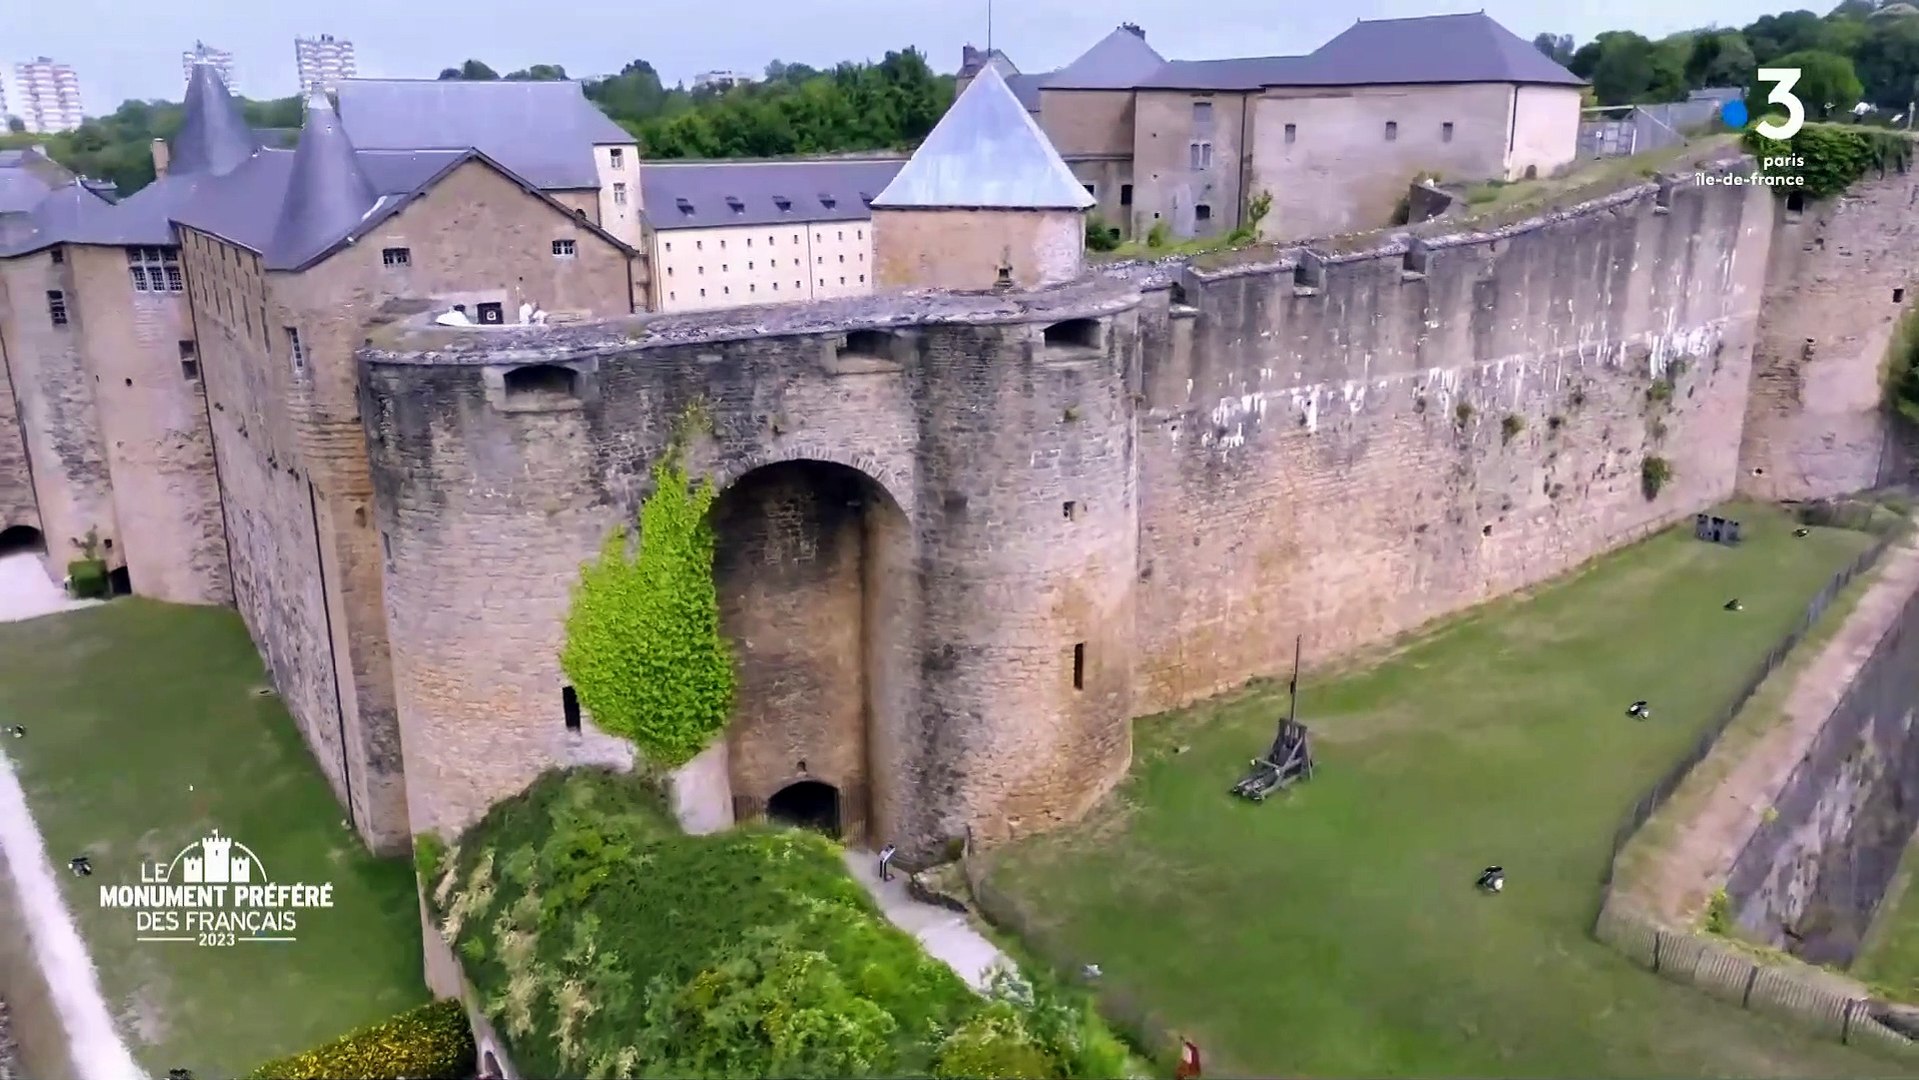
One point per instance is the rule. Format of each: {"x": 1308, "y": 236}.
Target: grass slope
{"x": 1335, "y": 931}
{"x": 127, "y": 704}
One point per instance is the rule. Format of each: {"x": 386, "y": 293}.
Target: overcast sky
{"x": 131, "y": 48}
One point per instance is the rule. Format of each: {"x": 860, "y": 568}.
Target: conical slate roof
{"x": 986, "y": 153}
{"x": 327, "y": 193}
{"x": 214, "y": 137}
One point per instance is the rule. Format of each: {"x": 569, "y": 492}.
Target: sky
{"x": 131, "y": 48}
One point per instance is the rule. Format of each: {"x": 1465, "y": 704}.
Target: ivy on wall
{"x": 643, "y": 645}
{"x": 1826, "y": 159}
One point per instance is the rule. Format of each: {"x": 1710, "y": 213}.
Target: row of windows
{"x": 818, "y": 238}
{"x": 727, "y": 290}
{"x": 818, "y": 260}
{"x": 1199, "y": 152}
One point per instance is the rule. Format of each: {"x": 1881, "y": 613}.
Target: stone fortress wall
{"x": 966, "y": 538}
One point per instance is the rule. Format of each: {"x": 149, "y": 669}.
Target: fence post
{"x": 1658, "y": 943}
{"x": 1845, "y": 1020}
{"x": 1745, "y": 1001}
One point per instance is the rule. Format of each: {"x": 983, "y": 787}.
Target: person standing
{"x": 886, "y": 863}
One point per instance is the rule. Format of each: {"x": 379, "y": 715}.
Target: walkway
{"x": 26, "y": 592}
{"x": 944, "y": 934}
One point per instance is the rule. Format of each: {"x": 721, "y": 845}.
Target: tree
{"x": 1827, "y": 83}
{"x": 1557, "y": 47}
{"x": 1888, "y": 62}
{"x": 15, "y": 125}
{"x": 1773, "y": 36}
{"x": 1627, "y": 69}
{"x": 471, "y": 71}
{"x": 1720, "y": 59}
{"x": 539, "y": 73}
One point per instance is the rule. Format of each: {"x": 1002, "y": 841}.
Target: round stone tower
{"x": 984, "y": 203}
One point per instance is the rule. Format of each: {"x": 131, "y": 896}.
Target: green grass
{"x": 1889, "y": 957}
{"x": 126, "y": 705}
{"x": 598, "y": 934}
{"x": 1335, "y": 930}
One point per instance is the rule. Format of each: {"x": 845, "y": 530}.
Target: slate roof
{"x": 1467, "y": 48}
{"x": 21, "y": 190}
{"x": 542, "y": 131}
{"x": 709, "y": 194}
{"x": 1119, "y": 61}
{"x": 987, "y": 153}
{"x": 213, "y": 137}
{"x": 327, "y": 194}
{"x": 1428, "y": 49}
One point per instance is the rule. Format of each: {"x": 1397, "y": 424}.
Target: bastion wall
{"x": 1051, "y": 512}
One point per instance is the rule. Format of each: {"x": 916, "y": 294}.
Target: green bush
{"x": 1099, "y": 235}
{"x": 1902, "y": 367}
{"x": 1835, "y": 157}
{"x": 1654, "y": 471}
{"x": 602, "y": 941}
{"x": 432, "y": 1042}
{"x": 88, "y": 578}
{"x": 643, "y": 644}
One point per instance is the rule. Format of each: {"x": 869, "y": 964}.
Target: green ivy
{"x": 1902, "y": 368}
{"x": 432, "y": 1042}
{"x": 1834, "y": 157}
{"x": 643, "y": 644}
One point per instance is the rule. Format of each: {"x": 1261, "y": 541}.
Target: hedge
{"x": 432, "y": 1042}
{"x": 88, "y": 578}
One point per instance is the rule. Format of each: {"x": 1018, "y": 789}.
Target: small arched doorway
{"x": 18, "y": 538}
{"x": 809, "y": 804}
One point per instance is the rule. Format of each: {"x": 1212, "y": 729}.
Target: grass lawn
{"x": 1889, "y": 958}
{"x": 126, "y": 705}
{"x": 1336, "y": 931}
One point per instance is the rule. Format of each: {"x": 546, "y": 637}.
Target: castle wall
{"x": 17, "y": 505}
{"x": 1337, "y": 461}
{"x": 154, "y": 431}
{"x": 1168, "y": 188}
{"x": 963, "y": 250}
{"x": 1341, "y": 172}
{"x": 55, "y": 392}
{"x": 1842, "y": 273}
{"x": 979, "y": 435}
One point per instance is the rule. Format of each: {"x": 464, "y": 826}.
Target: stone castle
{"x": 969, "y": 526}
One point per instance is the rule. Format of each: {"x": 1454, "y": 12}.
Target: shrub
{"x": 1463, "y": 413}
{"x": 1159, "y": 235}
{"x": 88, "y": 578}
{"x": 1660, "y": 391}
{"x": 1099, "y": 235}
{"x": 1902, "y": 368}
{"x": 1835, "y": 157}
{"x": 1719, "y": 913}
{"x": 994, "y": 1045}
{"x": 1511, "y": 426}
{"x": 1654, "y": 471}
{"x": 432, "y": 1042}
{"x": 643, "y": 644}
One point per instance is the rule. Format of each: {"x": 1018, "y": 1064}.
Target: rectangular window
{"x": 1202, "y": 115}
{"x": 1079, "y": 666}
{"x": 396, "y": 256}
{"x": 1446, "y": 131}
{"x": 189, "y": 360}
{"x": 57, "y": 307}
{"x": 295, "y": 350}
{"x": 1126, "y": 194}
{"x": 58, "y": 256}
{"x": 616, "y": 157}
{"x": 1202, "y": 212}
{"x": 155, "y": 269}
{"x": 1392, "y": 131}
{"x": 1292, "y": 132}
{"x": 563, "y": 249}
{"x": 1201, "y": 155}
{"x": 1092, "y": 190}
{"x": 619, "y": 194}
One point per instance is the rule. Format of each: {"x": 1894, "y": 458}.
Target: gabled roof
{"x": 213, "y": 137}
{"x": 1465, "y": 48}
{"x": 708, "y": 194}
{"x": 1120, "y": 61}
{"x": 327, "y": 194}
{"x": 1238, "y": 73}
{"x": 986, "y": 153}
{"x": 542, "y": 131}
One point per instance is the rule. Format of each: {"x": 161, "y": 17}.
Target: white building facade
{"x": 49, "y": 96}
{"x": 323, "y": 61}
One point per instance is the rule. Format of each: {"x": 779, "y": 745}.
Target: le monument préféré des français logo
{"x": 215, "y": 892}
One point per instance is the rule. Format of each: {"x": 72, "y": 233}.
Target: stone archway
{"x": 17, "y": 538}
{"x": 809, "y": 804}
{"x": 813, "y": 562}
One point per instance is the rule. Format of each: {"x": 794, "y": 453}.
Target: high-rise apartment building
{"x": 220, "y": 59}
{"x": 323, "y": 62}
{"x": 49, "y": 95}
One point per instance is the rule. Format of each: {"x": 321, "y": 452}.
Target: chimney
{"x": 1133, "y": 29}
{"x": 161, "y": 155}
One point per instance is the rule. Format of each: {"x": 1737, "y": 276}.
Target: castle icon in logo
{"x": 216, "y": 864}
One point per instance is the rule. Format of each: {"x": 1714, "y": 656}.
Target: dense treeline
{"x": 1861, "y": 50}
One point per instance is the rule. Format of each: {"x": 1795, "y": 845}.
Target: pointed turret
{"x": 214, "y": 137}
{"x": 984, "y": 202}
{"x": 327, "y": 193}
